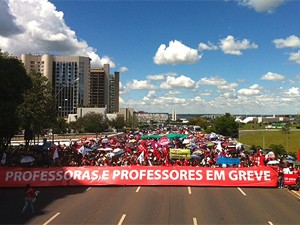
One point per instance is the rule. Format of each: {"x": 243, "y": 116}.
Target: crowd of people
{"x": 147, "y": 148}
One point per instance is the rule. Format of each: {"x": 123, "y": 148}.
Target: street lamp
{"x": 61, "y": 99}
{"x": 72, "y": 82}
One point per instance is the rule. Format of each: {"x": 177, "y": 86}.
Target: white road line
{"x": 88, "y": 189}
{"x": 122, "y": 219}
{"x": 241, "y": 191}
{"x": 138, "y": 189}
{"x": 189, "y": 190}
{"x": 269, "y": 222}
{"x": 52, "y": 218}
{"x": 195, "y": 221}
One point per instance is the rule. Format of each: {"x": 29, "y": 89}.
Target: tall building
{"x": 70, "y": 78}
{"x": 104, "y": 89}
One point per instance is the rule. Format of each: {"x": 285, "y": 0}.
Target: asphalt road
{"x": 153, "y": 205}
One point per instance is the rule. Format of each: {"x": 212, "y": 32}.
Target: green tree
{"x": 277, "y": 149}
{"x": 60, "y": 125}
{"x": 37, "y": 111}
{"x": 91, "y": 123}
{"x": 118, "y": 123}
{"x": 225, "y": 125}
{"x": 13, "y": 83}
{"x": 199, "y": 121}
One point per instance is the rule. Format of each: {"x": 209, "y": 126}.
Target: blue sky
{"x": 236, "y": 56}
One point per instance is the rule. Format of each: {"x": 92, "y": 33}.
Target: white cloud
{"x": 230, "y": 95}
{"x": 252, "y": 90}
{"x": 290, "y": 42}
{"x": 212, "y": 81}
{"x": 38, "y": 24}
{"x": 8, "y": 25}
{"x": 209, "y": 47}
{"x": 150, "y": 95}
{"x": 123, "y": 69}
{"x": 230, "y": 86}
{"x": 170, "y": 100}
{"x": 176, "y": 53}
{"x": 121, "y": 100}
{"x": 173, "y": 92}
{"x": 272, "y": 77}
{"x": 261, "y": 5}
{"x": 140, "y": 84}
{"x": 294, "y": 91}
{"x": 295, "y": 57}
{"x": 231, "y": 46}
{"x": 156, "y": 77}
{"x": 179, "y": 82}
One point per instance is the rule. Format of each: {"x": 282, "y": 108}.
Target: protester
{"x": 30, "y": 197}
{"x": 151, "y": 148}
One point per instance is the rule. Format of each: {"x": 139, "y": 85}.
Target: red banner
{"x": 290, "y": 179}
{"x": 139, "y": 175}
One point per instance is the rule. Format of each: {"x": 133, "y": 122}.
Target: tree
{"x": 13, "y": 83}
{"x": 91, "y": 122}
{"x": 199, "y": 121}
{"x": 60, "y": 125}
{"x": 277, "y": 149}
{"x": 225, "y": 125}
{"x": 118, "y": 123}
{"x": 37, "y": 111}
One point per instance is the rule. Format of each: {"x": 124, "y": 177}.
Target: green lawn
{"x": 290, "y": 141}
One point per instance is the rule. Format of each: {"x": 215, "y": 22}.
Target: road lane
{"x": 154, "y": 205}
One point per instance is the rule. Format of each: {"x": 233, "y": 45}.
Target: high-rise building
{"x": 104, "y": 89}
{"x": 70, "y": 78}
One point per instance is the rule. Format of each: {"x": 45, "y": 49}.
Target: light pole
{"x": 61, "y": 101}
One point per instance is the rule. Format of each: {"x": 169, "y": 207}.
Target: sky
{"x": 197, "y": 57}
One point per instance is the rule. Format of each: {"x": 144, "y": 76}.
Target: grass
{"x": 290, "y": 141}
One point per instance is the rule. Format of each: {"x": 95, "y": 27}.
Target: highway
{"x": 123, "y": 205}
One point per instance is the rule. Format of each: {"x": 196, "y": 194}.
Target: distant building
{"x": 128, "y": 113}
{"x": 104, "y": 89}
{"x": 174, "y": 115}
{"x": 145, "y": 117}
{"x": 70, "y": 78}
{"x": 81, "y": 112}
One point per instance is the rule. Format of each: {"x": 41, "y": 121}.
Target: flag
{"x": 298, "y": 155}
{"x": 141, "y": 157}
{"x": 83, "y": 150}
{"x": 54, "y": 153}
{"x": 186, "y": 161}
{"x": 156, "y": 153}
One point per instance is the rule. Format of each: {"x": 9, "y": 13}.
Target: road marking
{"x": 241, "y": 191}
{"x": 52, "y": 218}
{"x": 269, "y": 222}
{"x": 138, "y": 189}
{"x": 88, "y": 189}
{"x": 195, "y": 221}
{"x": 189, "y": 190}
{"x": 122, "y": 219}
{"x": 295, "y": 193}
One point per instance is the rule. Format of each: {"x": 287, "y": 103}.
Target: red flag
{"x": 127, "y": 149}
{"x": 156, "y": 153}
{"x": 186, "y": 161}
{"x": 165, "y": 150}
{"x": 298, "y": 155}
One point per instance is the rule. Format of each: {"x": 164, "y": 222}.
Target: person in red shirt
{"x": 30, "y": 197}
